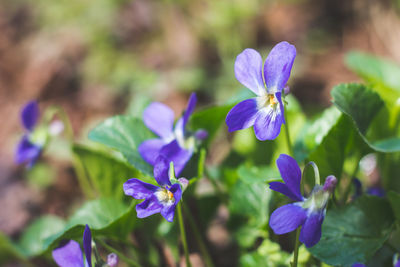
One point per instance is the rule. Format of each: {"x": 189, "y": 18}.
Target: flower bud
{"x": 330, "y": 183}
{"x": 184, "y": 183}
{"x": 112, "y": 260}
{"x": 201, "y": 134}
{"x": 286, "y": 90}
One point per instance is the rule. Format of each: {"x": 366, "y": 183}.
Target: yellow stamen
{"x": 272, "y": 100}
{"x": 170, "y": 195}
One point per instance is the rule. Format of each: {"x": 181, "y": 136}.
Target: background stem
{"x": 197, "y": 235}
{"x": 183, "y": 234}
{"x": 287, "y": 134}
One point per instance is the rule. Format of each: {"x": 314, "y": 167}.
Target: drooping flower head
{"x": 264, "y": 112}
{"x": 157, "y": 199}
{"x": 70, "y": 254}
{"x": 30, "y": 145}
{"x": 306, "y": 212}
{"x": 175, "y": 143}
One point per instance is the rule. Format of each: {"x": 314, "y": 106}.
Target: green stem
{"x": 183, "y": 234}
{"x": 130, "y": 262}
{"x": 296, "y": 248}
{"x": 287, "y": 134}
{"x": 202, "y": 246}
{"x": 316, "y": 175}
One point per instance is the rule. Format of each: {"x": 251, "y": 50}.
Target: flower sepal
{"x": 183, "y": 182}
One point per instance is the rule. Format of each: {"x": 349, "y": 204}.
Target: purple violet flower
{"x": 30, "y": 145}
{"x": 176, "y": 144}
{"x": 306, "y": 212}
{"x": 264, "y": 112}
{"x": 70, "y": 254}
{"x": 372, "y": 191}
{"x": 162, "y": 199}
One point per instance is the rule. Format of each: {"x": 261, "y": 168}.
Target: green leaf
{"x": 383, "y": 75}
{"x": 267, "y": 254}
{"x": 251, "y": 200}
{"x": 106, "y": 173}
{"x": 331, "y": 153}
{"x": 320, "y": 127}
{"x": 33, "y": 240}
{"x": 210, "y": 119}
{"x": 255, "y": 174}
{"x": 9, "y": 251}
{"x": 124, "y": 133}
{"x": 363, "y": 105}
{"x": 394, "y": 199}
{"x": 355, "y": 232}
{"x": 104, "y": 216}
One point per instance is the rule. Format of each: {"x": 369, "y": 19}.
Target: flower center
{"x": 272, "y": 99}
{"x": 267, "y": 100}
{"x": 165, "y": 196}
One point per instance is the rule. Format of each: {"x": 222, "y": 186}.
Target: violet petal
{"x": 278, "y": 65}
{"x": 287, "y": 218}
{"x": 161, "y": 168}
{"x": 30, "y": 115}
{"x": 160, "y": 119}
{"x": 27, "y": 152}
{"x": 248, "y": 70}
{"x": 87, "y": 245}
{"x": 243, "y": 115}
{"x": 138, "y": 189}
{"x": 150, "y": 150}
{"x": 69, "y": 255}
{"x": 148, "y": 207}
{"x": 178, "y": 155}
{"x": 267, "y": 125}
{"x": 282, "y": 188}
{"x": 189, "y": 109}
{"x": 311, "y": 231}
{"x": 291, "y": 174}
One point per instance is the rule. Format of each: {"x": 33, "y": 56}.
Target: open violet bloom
{"x": 32, "y": 142}
{"x": 264, "y": 112}
{"x": 306, "y": 212}
{"x": 177, "y": 144}
{"x": 70, "y": 254}
{"x": 157, "y": 199}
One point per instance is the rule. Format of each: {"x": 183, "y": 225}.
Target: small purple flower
{"x": 373, "y": 191}
{"x": 176, "y": 144}
{"x": 264, "y": 112}
{"x": 162, "y": 199}
{"x": 306, "y": 212}
{"x": 70, "y": 254}
{"x": 30, "y": 147}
